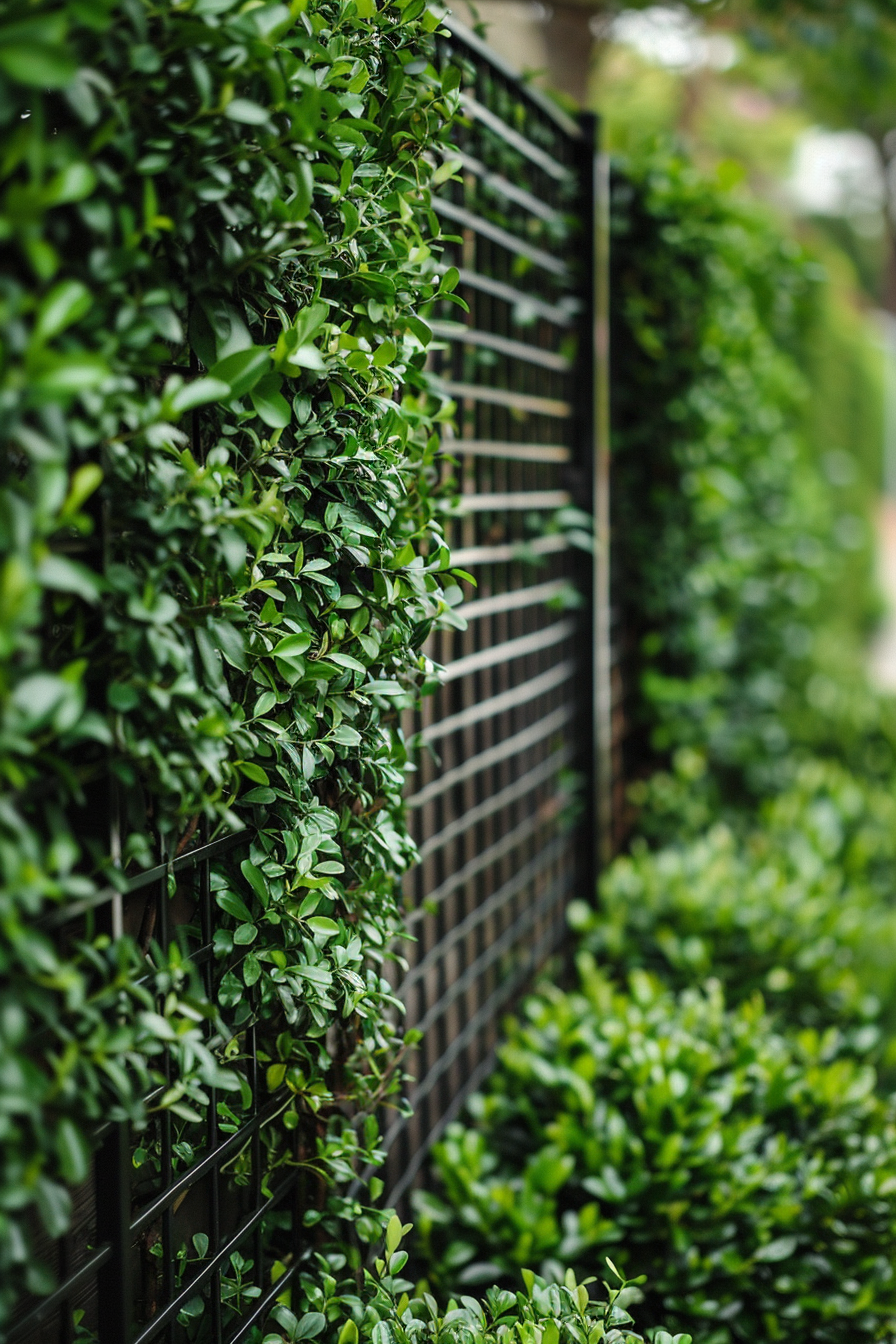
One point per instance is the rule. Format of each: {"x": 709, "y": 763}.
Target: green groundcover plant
{"x": 221, "y": 556}
{"x": 750, "y": 1174}
{"x": 389, "y": 1310}
{"x": 800, "y": 909}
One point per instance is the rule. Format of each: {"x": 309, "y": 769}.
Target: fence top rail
{"x": 464, "y": 35}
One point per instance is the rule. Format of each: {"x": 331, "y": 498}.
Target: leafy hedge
{"x": 799, "y": 910}
{"x": 383, "y": 1311}
{"x": 222, "y": 556}
{"x": 748, "y": 1173}
{"x": 740, "y": 495}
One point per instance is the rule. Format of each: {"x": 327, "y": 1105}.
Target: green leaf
{"x": 233, "y": 905}
{"x": 247, "y": 112}
{"x": 54, "y": 1206}
{"x": 28, "y": 60}
{"x": 197, "y": 393}
{"x": 85, "y": 481}
{"x": 256, "y": 879}
{"x": 347, "y": 661}
{"x": 781, "y": 1248}
{"x": 292, "y": 646}
{"x": 393, "y": 1234}
{"x": 74, "y": 182}
{"x": 66, "y": 303}
{"x": 68, "y": 576}
{"x": 311, "y": 1324}
{"x": 274, "y": 1076}
{"x": 442, "y": 174}
{"x": 384, "y": 354}
{"x": 73, "y": 1150}
{"x": 449, "y": 281}
{"x": 319, "y": 924}
{"x": 269, "y": 404}
{"x": 243, "y": 369}
{"x": 245, "y": 934}
{"x": 254, "y": 772}
{"x": 71, "y": 374}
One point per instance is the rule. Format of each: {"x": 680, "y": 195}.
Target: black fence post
{"x": 596, "y": 213}
{"x": 115, "y": 1296}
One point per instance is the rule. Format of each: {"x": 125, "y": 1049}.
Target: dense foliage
{"x": 221, "y": 559}
{"x": 748, "y": 1173}
{"x": 382, "y": 1312}
{"x": 736, "y": 530}
{"x": 800, "y": 909}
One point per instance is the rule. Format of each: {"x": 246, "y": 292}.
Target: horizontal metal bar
{"x": 510, "y": 794}
{"x": 562, "y": 314}
{"x": 212, "y": 1159}
{"x": 511, "y": 746}
{"x": 66, "y": 1290}
{"x": 491, "y": 854}
{"x": 502, "y": 345}
{"x": 491, "y": 905}
{"x": 527, "y": 93}
{"x": 503, "y": 237}
{"x": 503, "y": 396}
{"x": 169, "y": 1312}
{"x": 495, "y": 501}
{"x": 509, "y": 190}
{"x": 513, "y": 600}
{"x": 422, "y": 1151}
{"x": 63, "y": 914}
{"x": 505, "y": 992}
{"x": 511, "y": 550}
{"x": 521, "y": 143}
{"x": 518, "y": 452}
{"x": 512, "y": 648}
{"x": 499, "y": 704}
{"x": 491, "y": 954}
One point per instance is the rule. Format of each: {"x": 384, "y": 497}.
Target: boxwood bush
{"x": 221, "y": 557}
{"x": 388, "y": 1309}
{"x": 799, "y": 908}
{"x": 750, "y": 1174}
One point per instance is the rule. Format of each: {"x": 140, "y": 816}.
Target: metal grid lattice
{"x": 507, "y": 762}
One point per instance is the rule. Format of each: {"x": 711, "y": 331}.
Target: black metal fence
{"x": 510, "y": 801}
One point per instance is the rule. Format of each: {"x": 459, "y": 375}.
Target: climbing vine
{"x": 222, "y": 559}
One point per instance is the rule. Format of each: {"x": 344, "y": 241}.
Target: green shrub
{"x": 221, "y": 556}
{"x": 749, "y": 1174}
{"x": 384, "y": 1313}
{"x": 739, "y": 530}
{"x": 799, "y": 909}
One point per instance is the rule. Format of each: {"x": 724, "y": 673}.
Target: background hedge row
{"x": 221, "y": 558}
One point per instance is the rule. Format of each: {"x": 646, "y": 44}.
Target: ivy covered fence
{"x": 221, "y": 558}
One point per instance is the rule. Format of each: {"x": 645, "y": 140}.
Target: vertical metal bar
{"x": 207, "y": 929}
{"x": 257, "y": 1198}
{"x": 599, "y": 209}
{"x": 113, "y": 1216}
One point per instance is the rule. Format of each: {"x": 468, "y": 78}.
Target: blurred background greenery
{"x": 789, "y": 105}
